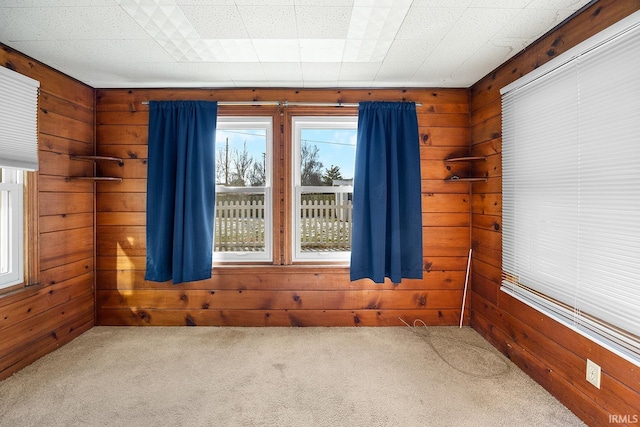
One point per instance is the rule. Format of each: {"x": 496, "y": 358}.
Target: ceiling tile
{"x": 161, "y": 22}
{"x": 269, "y": 22}
{"x": 352, "y": 72}
{"x": 440, "y": 64}
{"x": 532, "y": 24}
{"x": 212, "y": 22}
{"x": 308, "y": 43}
{"x": 423, "y": 23}
{"x": 381, "y": 49}
{"x": 366, "y": 50}
{"x": 322, "y": 22}
{"x": 396, "y": 71}
{"x": 383, "y": 3}
{"x": 367, "y": 23}
{"x": 282, "y": 73}
{"x": 328, "y": 3}
{"x": 108, "y": 51}
{"x": 240, "y": 72}
{"x": 442, "y": 3}
{"x": 277, "y": 50}
{"x": 479, "y": 25}
{"x": 55, "y": 3}
{"x": 317, "y": 50}
{"x": 410, "y": 51}
{"x": 373, "y": 29}
{"x": 482, "y": 59}
{"x": 206, "y": 2}
{"x": 500, "y": 4}
{"x": 359, "y": 50}
{"x": 320, "y": 74}
{"x": 166, "y": 74}
{"x": 232, "y": 50}
{"x": 557, "y": 4}
{"x": 268, "y": 3}
{"x": 53, "y": 23}
{"x": 147, "y": 4}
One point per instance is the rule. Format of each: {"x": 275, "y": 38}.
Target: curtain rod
{"x": 290, "y": 104}
{"x": 276, "y": 103}
{"x": 326, "y": 104}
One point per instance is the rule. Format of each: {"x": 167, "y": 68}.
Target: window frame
{"x": 298, "y": 123}
{"x": 251, "y": 122}
{"x": 13, "y": 185}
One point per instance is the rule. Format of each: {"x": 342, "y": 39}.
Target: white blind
{"x": 571, "y": 188}
{"x": 18, "y": 121}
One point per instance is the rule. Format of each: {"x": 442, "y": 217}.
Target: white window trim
{"x": 298, "y": 124}
{"x": 12, "y": 192}
{"x": 252, "y": 122}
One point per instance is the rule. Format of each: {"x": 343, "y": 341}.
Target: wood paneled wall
{"x": 278, "y": 295}
{"x": 59, "y": 304}
{"x": 549, "y": 352}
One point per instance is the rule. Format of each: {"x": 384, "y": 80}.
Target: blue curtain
{"x": 387, "y": 207}
{"x": 180, "y": 190}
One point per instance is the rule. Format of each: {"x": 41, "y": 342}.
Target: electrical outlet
{"x": 593, "y": 373}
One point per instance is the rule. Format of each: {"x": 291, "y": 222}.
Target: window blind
{"x": 18, "y": 121}
{"x": 571, "y": 188}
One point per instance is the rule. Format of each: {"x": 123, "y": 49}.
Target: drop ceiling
{"x": 277, "y": 43}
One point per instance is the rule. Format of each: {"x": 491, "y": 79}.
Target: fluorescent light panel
{"x": 373, "y": 26}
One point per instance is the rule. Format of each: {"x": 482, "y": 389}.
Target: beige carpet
{"x": 204, "y": 376}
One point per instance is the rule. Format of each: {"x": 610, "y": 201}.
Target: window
{"x": 323, "y": 164}
{"x": 18, "y": 153}
{"x": 11, "y": 227}
{"x": 571, "y": 199}
{"x": 243, "y": 222}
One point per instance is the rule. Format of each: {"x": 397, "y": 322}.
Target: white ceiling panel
{"x": 317, "y": 50}
{"x": 67, "y": 23}
{"x": 325, "y": 3}
{"x": 95, "y": 57}
{"x": 55, "y": 3}
{"x": 166, "y": 74}
{"x": 268, "y": 43}
{"x": 483, "y": 57}
{"x": 232, "y": 50}
{"x": 410, "y": 52}
{"x": 320, "y": 75}
{"x": 444, "y": 4}
{"x": 357, "y": 74}
{"x": 269, "y": 22}
{"x": 556, "y": 4}
{"x": 500, "y": 4}
{"x": 206, "y": 2}
{"x": 216, "y": 22}
{"x": 429, "y": 24}
{"x": 531, "y": 24}
{"x": 359, "y": 50}
{"x": 313, "y": 22}
{"x": 480, "y": 21}
{"x": 281, "y": 74}
{"x": 277, "y": 50}
{"x": 394, "y": 71}
{"x": 241, "y": 72}
{"x": 265, "y": 2}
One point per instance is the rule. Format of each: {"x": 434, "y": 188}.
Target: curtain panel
{"x": 387, "y": 206}
{"x": 180, "y": 190}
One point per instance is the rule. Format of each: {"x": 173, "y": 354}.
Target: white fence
{"x": 239, "y": 226}
{"x": 325, "y": 225}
